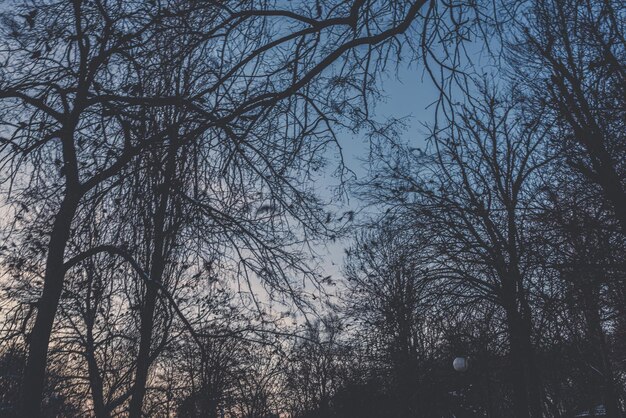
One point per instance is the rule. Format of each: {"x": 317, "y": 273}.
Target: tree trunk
{"x": 95, "y": 378}
{"x": 526, "y": 390}
{"x": 147, "y": 317}
{"x": 598, "y": 338}
{"x": 35, "y": 371}
{"x": 157, "y": 259}
{"x": 516, "y": 359}
{"x": 533, "y": 379}
{"x": 608, "y": 177}
{"x": 143, "y": 357}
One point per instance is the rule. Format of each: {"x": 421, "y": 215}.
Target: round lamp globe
{"x": 460, "y": 364}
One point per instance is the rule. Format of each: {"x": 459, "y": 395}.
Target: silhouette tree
{"x": 76, "y": 90}
{"x": 570, "y": 58}
{"x": 475, "y": 195}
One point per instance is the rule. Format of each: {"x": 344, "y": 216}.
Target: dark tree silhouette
{"x": 475, "y": 192}
{"x": 570, "y": 56}
{"x": 161, "y": 164}
{"x": 78, "y": 88}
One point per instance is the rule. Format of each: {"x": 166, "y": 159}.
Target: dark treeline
{"x": 161, "y": 210}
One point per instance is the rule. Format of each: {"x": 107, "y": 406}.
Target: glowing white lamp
{"x": 460, "y": 364}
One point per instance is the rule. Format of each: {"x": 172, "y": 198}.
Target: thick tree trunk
{"x": 406, "y": 375}
{"x": 35, "y": 371}
{"x": 518, "y": 377}
{"x": 143, "y": 357}
{"x": 525, "y": 380}
{"x": 598, "y": 338}
{"x": 535, "y": 388}
{"x": 95, "y": 381}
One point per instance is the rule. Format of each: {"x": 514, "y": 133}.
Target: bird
{"x": 30, "y": 18}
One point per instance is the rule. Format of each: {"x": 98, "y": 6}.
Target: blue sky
{"x": 409, "y": 93}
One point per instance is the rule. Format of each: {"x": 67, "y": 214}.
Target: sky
{"x": 409, "y": 93}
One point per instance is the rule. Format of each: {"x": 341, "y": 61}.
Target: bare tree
{"x": 67, "y": 101}
{"x": 159, "y": 161}
{"x": 387, "y": 298}
{"x": 584, "y": 244}
{"x": 314, "y": 368}
{"x": 475, "y": 192}
{"x": 569, "y": 57}
{"x": 76, "y": 90}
